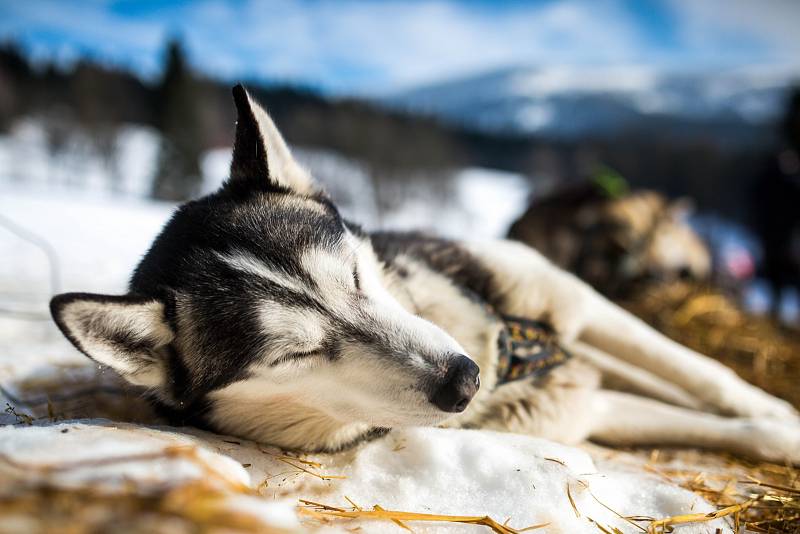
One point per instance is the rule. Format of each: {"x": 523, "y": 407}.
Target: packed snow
{"x": 55, "y": 238}
{"x": 526, "y": 480}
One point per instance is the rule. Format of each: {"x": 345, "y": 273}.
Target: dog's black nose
{"x": 460, "y": 384}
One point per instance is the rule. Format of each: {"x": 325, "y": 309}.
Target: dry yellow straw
{"x": 395, "y": 516}
{"x": 698, "y": 518}
{"x": 308, "y": 471}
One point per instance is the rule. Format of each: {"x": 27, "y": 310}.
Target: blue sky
{"x": 368, "y": 47}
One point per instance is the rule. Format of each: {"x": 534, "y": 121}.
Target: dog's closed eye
{"x": 356, "y": 279}
{"x": 297, "y": 356}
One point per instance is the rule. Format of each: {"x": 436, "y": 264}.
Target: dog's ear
{"x": 681, "y": 208}
{"x": 261, "y": 158}
{"x": 129, "y": 334}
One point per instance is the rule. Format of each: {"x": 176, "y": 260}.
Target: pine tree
{"x": 178, "y": 174}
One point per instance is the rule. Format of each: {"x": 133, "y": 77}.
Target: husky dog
{"x": 613, "y": 242}
{"x": 260, "y": 312}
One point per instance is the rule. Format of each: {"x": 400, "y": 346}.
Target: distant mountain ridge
{"x": 572, "y": 102}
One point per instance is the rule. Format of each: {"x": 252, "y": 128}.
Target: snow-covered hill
{"x": 574, "y": 101}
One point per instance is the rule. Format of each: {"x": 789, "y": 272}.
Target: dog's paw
{"x": 773, "y": 441}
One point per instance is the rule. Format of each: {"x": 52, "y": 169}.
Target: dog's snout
{"x": 460, "y": 385}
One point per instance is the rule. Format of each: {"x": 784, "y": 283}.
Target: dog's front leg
{"x": 526, "y": 284}
{"x": 622, "y": 419}
{"x": 622, "y": 376}
{"x": 619, "y": 333}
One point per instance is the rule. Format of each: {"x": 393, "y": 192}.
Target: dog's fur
{"x": 260, "y": 312}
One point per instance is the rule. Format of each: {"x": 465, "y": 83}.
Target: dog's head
{"x": 260, "y": 306}
{"x": 657, "y": 237}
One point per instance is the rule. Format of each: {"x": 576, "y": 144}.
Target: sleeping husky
{"x": 260, "y": 312}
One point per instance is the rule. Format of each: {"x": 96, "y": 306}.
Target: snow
{"x": 424, "y": 470}
{"x": 97, "y": 238}
{"x": 96, "y": 243}
{"x": 29, "y": 158}
{"x": 469, "y": 472}
{"x": 564, "y": 79}
{"x": 110, "y": 458}
{"x": 83, "y": 443}
{"x": 477, "y": 202}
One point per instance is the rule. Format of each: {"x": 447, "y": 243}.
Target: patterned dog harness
{"x": 527, "y": 349}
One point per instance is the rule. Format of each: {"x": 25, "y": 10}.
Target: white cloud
{"x": 374, "y": 45}
{"x": 402, "y": 43}
{"x": 351, "y": 45}
{"x": 772, "y": 27}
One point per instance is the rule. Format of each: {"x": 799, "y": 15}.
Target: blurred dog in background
{"x": 612, "y": 241}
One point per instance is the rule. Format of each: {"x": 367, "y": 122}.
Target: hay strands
{"x": 665, "y": 524}
{"x": 294, "y": 463}
{"x": 766, "y": 506}
{"x": 325, "y": 511}
{"x": 756, "y": 482}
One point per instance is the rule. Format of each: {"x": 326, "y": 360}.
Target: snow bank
{"x": 109, "y": 458}
{"x": 425, "y": 470}
{"x": 94, "y": 243}
{"x": 35, "y": 154}
{"x": 97, "y": 241}
{"x": 461, "y": 472}
{"x": 80, "y": 445}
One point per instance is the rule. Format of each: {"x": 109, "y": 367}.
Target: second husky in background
{"x": 613, "y": 241}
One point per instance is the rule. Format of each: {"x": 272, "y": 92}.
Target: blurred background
{"x": 443, "y": 115}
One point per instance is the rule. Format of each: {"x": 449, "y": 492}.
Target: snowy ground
{"x": 91, "y": 241}
{"x": 456, "y": 472}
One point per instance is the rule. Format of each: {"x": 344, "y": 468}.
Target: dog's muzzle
{"x": 459, "y": 386}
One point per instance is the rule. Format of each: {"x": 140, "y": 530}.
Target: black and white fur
{"x": 259, "y": 311}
